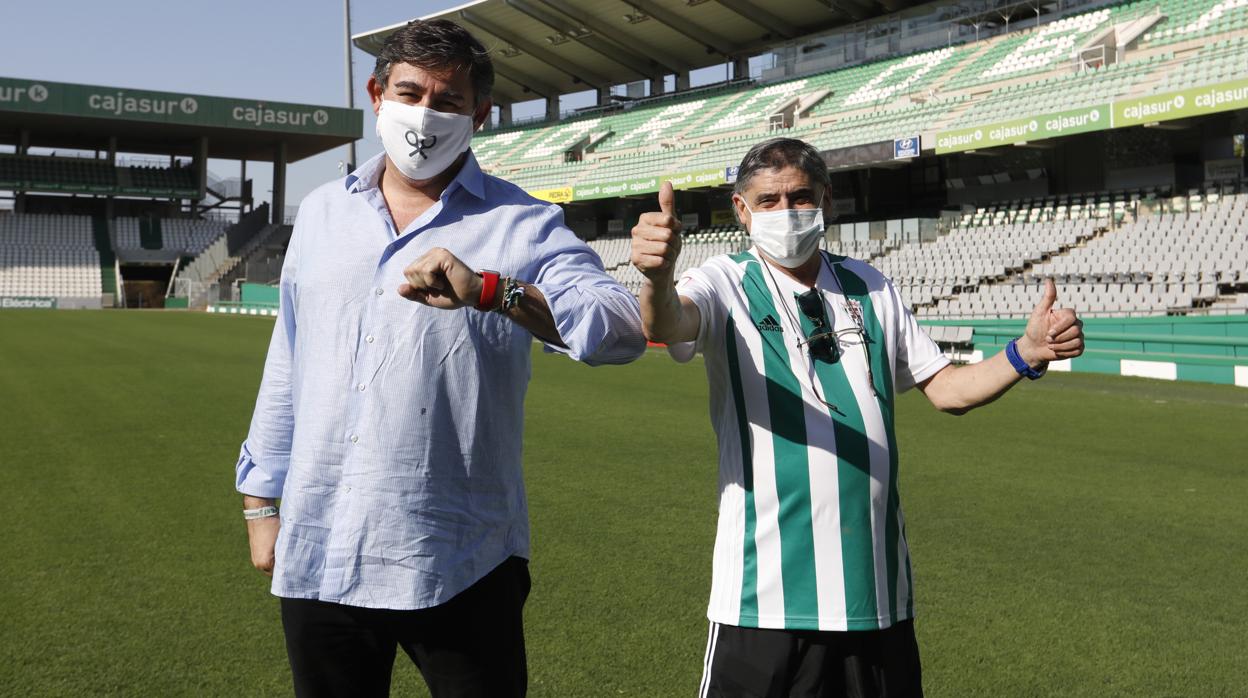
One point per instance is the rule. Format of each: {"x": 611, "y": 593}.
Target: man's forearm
{"x": 262, "y": 534}
{"x": 960, "y": 389}
{"x": 1051, "y": 335}
{"x": 250, "y": 502}
{"x": 533, "y": 314}
{"x": 661, "y": 311}
{"x": 984, "y": 382}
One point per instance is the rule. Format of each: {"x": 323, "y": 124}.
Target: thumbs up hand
{"x": 656, "y": 239}
{"x": 1051, "y": 334}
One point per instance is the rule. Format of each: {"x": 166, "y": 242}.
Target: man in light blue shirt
{"x": 389, "y": 419}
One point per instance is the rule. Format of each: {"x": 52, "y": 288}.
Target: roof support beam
{"x": 549, "y": 57}
{"x": 667, "y": 62}
{"x": 858, "y": 9}
{"x": 687, "y": 27}
{"x": 640, "y": 65}
{"x": 536, "y": 86}
{"x": 753, "y": 13}
{"x": 506, "y": 92}
{"x": 854, "y": 9}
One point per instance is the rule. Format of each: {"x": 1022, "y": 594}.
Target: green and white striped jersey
{"x": 811, "y": 534}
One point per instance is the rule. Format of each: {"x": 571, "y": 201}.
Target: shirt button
{"x": 379, "y": 292}
{"x": 361, "y": 387}
{"x": 355, "y": 439}
{"x": 369, "y": 339}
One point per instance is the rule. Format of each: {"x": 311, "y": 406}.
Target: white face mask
{"x": 789, "y": 235}
{"x": 422, "y": 142}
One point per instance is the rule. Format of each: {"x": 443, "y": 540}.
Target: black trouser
{"x": 472, "y": 645}
{"x": 758, "y": 662}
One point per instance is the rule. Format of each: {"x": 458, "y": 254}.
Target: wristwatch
{"x": 489, "y": 285}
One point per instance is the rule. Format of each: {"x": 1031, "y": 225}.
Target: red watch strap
{"x": 489, "y": 286}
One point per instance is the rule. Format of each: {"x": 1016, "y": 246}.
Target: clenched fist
{"x": 439, "y": 279}
{"x": 656, "y": 239}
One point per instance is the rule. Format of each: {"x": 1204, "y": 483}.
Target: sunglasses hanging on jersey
{"x": 822, "y": 342}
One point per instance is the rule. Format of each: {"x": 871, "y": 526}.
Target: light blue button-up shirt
{"x": 391, "y": 430}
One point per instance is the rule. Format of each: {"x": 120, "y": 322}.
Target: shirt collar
{"x": 368, "y": 176}
{"x": 470, "y": 177}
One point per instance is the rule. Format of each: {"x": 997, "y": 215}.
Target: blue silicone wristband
{"x": 1011, "y": 353}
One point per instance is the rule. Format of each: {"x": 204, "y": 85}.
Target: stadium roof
{"x": 84, "y": 117}
{"x": 545, "y": 48}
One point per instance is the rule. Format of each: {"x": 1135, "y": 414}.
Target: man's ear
{"x": 482, "y": 113}
{"x": 374, "y": 93}
{"x": 738, "y": 208}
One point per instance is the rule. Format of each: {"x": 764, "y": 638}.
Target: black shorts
{"x": 760, "y": 663}
{"x": 472, "y": 645}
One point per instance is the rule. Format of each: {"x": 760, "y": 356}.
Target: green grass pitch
{"x": 1084, "y": 536}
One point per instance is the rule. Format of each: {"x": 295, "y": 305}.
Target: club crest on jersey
{"x": 769, "y": 324}
{"x": 854, "y": 308}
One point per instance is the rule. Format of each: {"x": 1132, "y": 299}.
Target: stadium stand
{"x": 1108, "y": 260}
{"x": 157, "y": 181}
{"x": 698, "y": 246}
{"x": 1186, "y": 20}
{"x": 72, "y": 256}
{"x": 260, "y": 258}
{"x": 105, "y": 190}
{"x": 1113, "y": 252}
{"x": 867, "y": 250}
{"x": 1166, "y": 263}
{"x": 48, "y": 256}
{"x": 1029, "y": 53}
{"x": 188, "y": 237}
{"x": 1063, "y": 92}
{"x": 970, "y": 256}
{"x": 1117, "y": 252}
{"x": 91, "y": 176}
{"x": 1222, "y": 60}
{"x": 1004, "y": 77}
{"x": 856, "y": 105}
{"x": 252, "y": 240}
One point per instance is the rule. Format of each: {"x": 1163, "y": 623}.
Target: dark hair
{"x": 779, "y": 153}
{"x": 437, "y": 45}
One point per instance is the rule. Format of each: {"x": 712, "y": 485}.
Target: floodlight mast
{"x": 346, "y": 19}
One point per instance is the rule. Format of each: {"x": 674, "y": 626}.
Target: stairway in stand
{"x": 103, "y": 245}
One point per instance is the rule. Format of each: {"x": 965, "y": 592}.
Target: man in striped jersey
{"x": 805, "y": 351}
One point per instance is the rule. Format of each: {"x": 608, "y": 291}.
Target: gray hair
{"x": 779, "y": 153}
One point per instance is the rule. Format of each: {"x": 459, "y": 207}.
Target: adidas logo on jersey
{"x": 769, "y": 324}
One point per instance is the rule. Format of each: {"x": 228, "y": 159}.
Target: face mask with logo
{"x": 422, "y": 142}
{"x": 790, "y": 235}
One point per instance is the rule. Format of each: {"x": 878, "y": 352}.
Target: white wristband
{"x": 261, "y": 513}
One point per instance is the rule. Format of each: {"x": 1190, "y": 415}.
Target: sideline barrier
{"x": 243, "y": 308}
{"x": 1204, "y": 349}
{"x": 260, "y": 294}
{"x": 1201, "y": 349}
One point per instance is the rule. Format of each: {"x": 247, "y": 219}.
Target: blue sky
{"x": 283, "y": 50}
